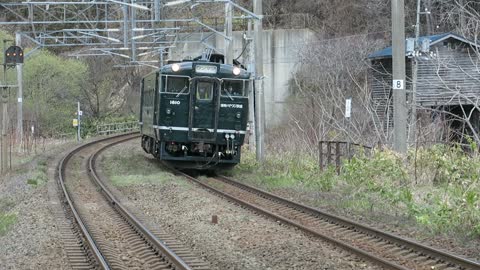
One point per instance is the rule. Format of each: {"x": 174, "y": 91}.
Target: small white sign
{"x": 206, "y": 69}
{"x": 80, "y": 113}
{"x": 348, "y": 108}
{"x": 398, "y": 84}
{"x": 33, "y": 129}
{"x": 20, "y": 100}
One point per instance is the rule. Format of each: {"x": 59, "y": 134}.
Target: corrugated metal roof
{"x": 387, "y": 52}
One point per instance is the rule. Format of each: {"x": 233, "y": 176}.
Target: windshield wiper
{"x": 181, "y": 91}
{"x": 228, "y": 94}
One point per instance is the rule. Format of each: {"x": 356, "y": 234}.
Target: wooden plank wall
{"x": 451, "y": 77}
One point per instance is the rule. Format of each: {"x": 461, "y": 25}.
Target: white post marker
{"x": 348, "y": 108}
{"x": 398, "y": 84}
{"x": 79, "y": 113}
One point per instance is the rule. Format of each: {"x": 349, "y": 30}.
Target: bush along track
{"x": 435, "y": 189}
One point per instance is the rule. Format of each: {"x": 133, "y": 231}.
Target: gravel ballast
{"x": 33, "y": 241}
{"x": 240, "y": 240}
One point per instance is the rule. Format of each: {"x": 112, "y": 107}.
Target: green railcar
{"x": 194, "y": 114}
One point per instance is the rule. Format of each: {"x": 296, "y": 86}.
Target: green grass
{"x": 6, "y": 222}
{"x": 39, "y": 175}
{"x": 135, "y": 179}
{"x": 443, "y": 196}
{"x": 127, "y": 166}
{"x": 278, "y": 171}
{"x": 6, "y": 204}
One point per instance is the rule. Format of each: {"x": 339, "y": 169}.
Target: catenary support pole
{"x": 399, "y": 93}
{"x": 251, "y": 93}
{"x": 157, "y": 6}
{"x": 132, "y": 33}
{"x": 18, "y": 41}
{"x": 229, "y": 33}
{"x": 259, "y": 92}
{"x": 125, "y": 25}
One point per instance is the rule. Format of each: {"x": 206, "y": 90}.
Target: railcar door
{"x": 204, "y": 109}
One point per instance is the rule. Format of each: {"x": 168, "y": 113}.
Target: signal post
{"x": 12, "y": 57}
{"x": 4, "y": 163}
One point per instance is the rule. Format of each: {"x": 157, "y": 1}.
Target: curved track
{"x": 385, "y": 249}
{"x": 112, "y": 237}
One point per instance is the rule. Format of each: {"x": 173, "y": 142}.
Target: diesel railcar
{"x": 194, "y": 114}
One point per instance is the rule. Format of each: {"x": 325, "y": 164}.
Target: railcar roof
{"x": 186, "y": 69}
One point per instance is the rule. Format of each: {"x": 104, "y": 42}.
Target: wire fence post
{"x": 320, "y": 155}
{"x": 337, "y": 156}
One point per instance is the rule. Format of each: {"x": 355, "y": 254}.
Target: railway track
{"x": 387, "y": 250}
{"x": 111, "y": 237}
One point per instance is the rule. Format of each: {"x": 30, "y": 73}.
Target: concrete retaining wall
{"x": 279, "y": 57}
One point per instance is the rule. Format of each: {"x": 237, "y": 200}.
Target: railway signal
{"x": 13, "y": 56}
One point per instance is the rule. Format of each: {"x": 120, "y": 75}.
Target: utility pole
{"x": 18, "y": 41}
{"x": 416, "y": 54}
{"x": 399, "y": 93}
{"x": 229, "y": 33}
{"x": 259, "y": 93}
{"x": 413, "y": 99}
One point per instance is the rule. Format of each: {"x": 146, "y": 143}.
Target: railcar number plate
{"x": 206, "y": 69}
{"x": 232, "y": 106}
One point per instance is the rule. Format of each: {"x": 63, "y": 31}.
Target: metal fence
{"x": 107, "y": 129}
{"x": 333, "y": 152}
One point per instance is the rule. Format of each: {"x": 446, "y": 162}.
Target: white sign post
{"x": 348, "y": 108}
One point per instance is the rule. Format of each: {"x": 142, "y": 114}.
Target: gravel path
{"x": 240, "y": 240}
{"x": 33, "y": 241}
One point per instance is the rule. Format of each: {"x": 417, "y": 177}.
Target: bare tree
{"x": 330, "y": 72}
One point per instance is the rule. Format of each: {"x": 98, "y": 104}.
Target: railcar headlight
{"x": 169, "y": 111}
{"x": 175, "y": 67}
{"x": 227, "y": 136}
{"x": 239, "y": 115}
{"x": 236, "y": 71}
{"x": 232, "y": 136}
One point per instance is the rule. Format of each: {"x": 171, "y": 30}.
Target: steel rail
{"x": 388, "y": 237}
{"x": 439, "y": 254}
{"x": 100, "y": 259}
{"x": 346, "y": 246}
{"x": 170, "y": 256}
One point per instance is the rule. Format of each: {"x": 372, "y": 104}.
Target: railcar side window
{"x": 246, "y": 89}
{"x": 233, "y": 88}
{"x": 204, "y": 91}
{"x": 178, "y": 85}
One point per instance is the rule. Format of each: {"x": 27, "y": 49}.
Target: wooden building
{"x": 448, "y": 76}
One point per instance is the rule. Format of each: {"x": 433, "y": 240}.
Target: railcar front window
{"x": 177, "y": 85}
{"x": 204, "y": 91}
{"x": 233, "y": 88}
